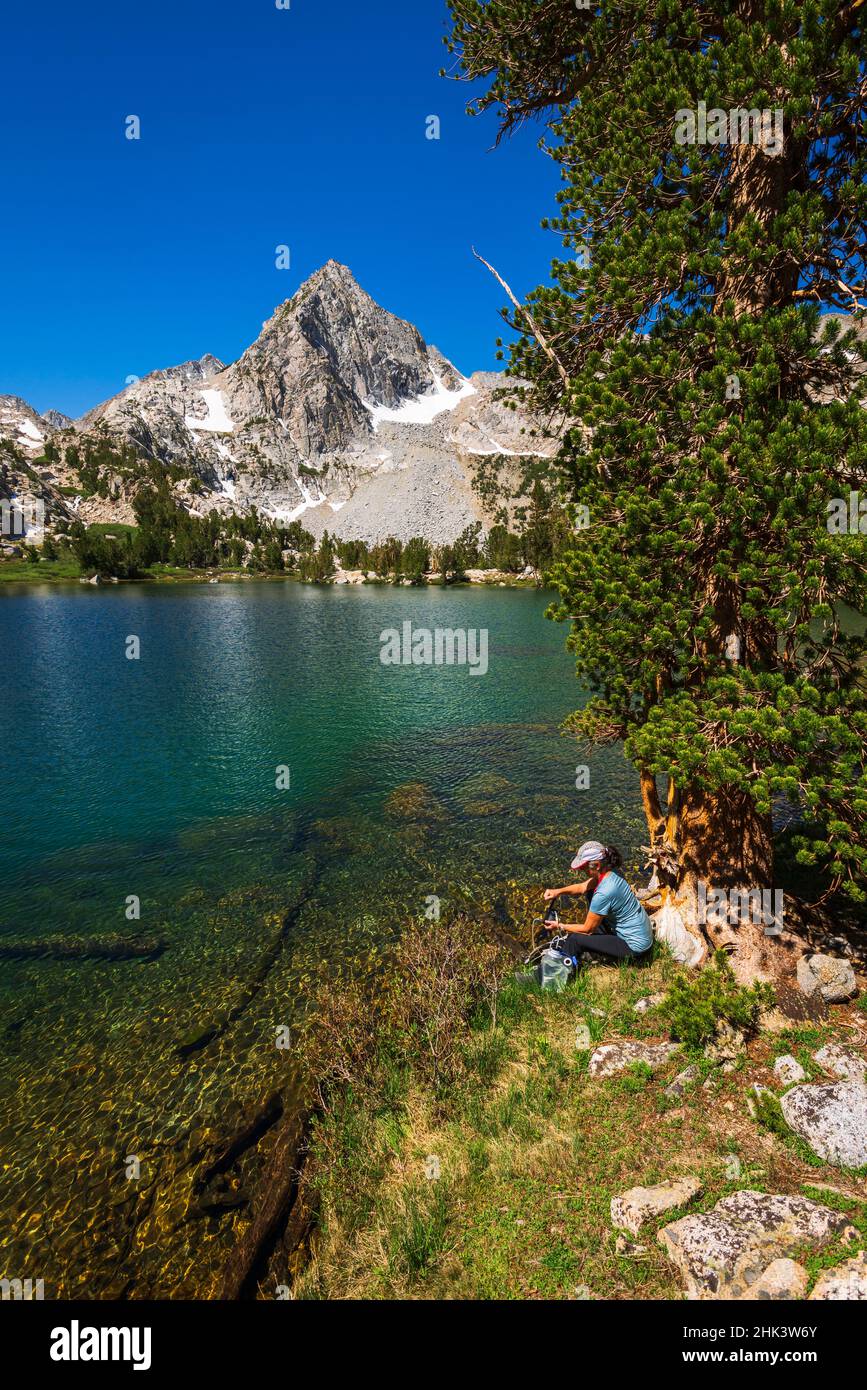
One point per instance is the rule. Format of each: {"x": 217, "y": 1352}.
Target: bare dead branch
{"x": 531, "y": 322}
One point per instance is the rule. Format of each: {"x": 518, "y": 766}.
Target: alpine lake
{"x": 195, "y": 835}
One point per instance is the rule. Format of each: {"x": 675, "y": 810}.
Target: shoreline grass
{"x": 529, "y": 1150}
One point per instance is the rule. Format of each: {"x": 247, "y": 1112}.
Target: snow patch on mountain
{"x": 286, "y": 515}
{"x": 216, "y": 419}
{"x": 421, "y": 410}
{"x": 27, "y": 427}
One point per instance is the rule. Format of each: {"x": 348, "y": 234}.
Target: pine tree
{"x": 415, "y": 559}
{"x": 703, "y": 327}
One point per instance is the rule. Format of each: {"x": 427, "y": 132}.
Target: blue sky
{"x": 260, "y": 127}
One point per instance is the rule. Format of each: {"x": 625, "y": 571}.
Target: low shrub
{"x": 430, "y": 1021}
{"x": 444, "y": 973}
{"x": 697, "y": 1003}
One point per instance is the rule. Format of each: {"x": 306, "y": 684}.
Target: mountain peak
{"x": 335, "y": 268}
{"x": 331, "y": 278}
{"x": 351, "y": 354}
{"x": 332, "y": 272}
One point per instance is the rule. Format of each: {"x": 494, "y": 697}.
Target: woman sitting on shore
{"x": 616, "y": 923}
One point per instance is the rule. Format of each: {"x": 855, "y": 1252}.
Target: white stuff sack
{"x": 668, "y": 927}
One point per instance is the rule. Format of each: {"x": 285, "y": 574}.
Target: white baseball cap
{"x": 590, "y": 850}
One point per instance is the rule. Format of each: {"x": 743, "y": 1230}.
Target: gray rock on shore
{"x": 831, "y": 1119}
{"x": 650, "y": 1001}
{"x": 782, "y": 1280}
{"x": 632, "y": 1209}
{"x": 841, "y": 1062}
{"x": 615, "y": 1057}
{"x": 829, "y": 976}
{"x": 723, "y": 1253}
{"x": 789, "y": 1071}
{"x": 845, "y": 1282}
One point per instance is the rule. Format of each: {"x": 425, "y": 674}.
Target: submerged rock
{"x": 846, "y": 1281}
{"x": 633, "y": 1208}
{"x": 343, "y": 835}
{"x": 829, "y": 976}
{"x": 832, "y": 1119}
{"x": 486, "y": 794}
{"x": 199, "y": 1036}
{"x": 724, "y": 1252}
{"x": 485, "y": 785}
{"x": 615, "y": 1057}
{"x": 414, "y": 801}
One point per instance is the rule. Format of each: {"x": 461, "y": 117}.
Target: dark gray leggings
{"x": 600, "y": 943}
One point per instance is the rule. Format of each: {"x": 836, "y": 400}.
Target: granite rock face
{"x": 722, "y": 1253}
{"x": 783, "y": 1279}
{"x": 831, "y": 1119}
{"x": 845, "y": 1282}
{"x": 27, "y": 486}
{"x": 841, "y": 1062}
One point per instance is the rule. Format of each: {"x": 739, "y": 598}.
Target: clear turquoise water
{"x": 156, "y": 778}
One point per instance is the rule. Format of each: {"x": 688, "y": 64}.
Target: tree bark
{"x": 652, "y": 808}
{"x": 725, "y": 845}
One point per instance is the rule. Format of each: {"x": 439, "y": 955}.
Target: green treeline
{"x": 167, "y": 535}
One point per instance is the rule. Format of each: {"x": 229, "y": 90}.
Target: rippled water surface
{"x": 155, "y": 779}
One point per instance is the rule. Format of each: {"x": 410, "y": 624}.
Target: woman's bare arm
{"x": 574, "y": 888}
{"x": 590, "y": 923}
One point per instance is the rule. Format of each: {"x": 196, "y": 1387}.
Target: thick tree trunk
{"x": 714, "y": 859}
{"x": 723, "y": 841}
{"x": 725, "y": 890}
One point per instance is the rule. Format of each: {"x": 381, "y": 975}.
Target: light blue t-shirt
{"x": 615, "y": 901}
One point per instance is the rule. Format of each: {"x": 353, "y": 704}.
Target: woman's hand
{"x": 550, "y": 893}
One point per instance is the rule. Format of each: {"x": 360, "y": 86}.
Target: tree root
{"x": 277, "y": 1213}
